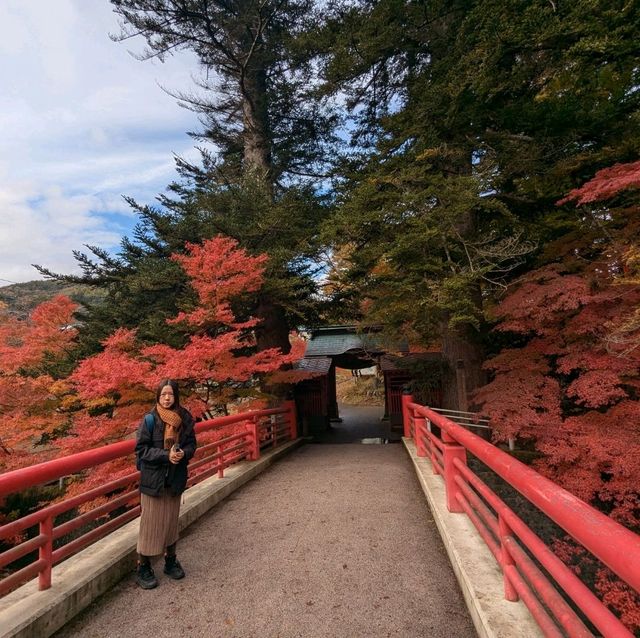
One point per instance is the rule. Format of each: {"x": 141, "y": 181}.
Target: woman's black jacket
{"x": 156, "y": 471}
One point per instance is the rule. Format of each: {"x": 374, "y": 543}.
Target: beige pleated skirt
{"x": 158, "y": 523}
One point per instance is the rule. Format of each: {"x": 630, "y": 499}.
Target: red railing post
{"x": 254, "y": 439}
{"x": 432, "y": 449}
{"x": 407, "y": 398}
{"x": 293, "y": 419}
{"x": 450, "y": 452}
{"x": 419, "y": 429}
{"x": 274, "y": 430}
{"x": 45, "y": 553}
{"x": 220, "y": 461}
{"x": 506, "y": 559}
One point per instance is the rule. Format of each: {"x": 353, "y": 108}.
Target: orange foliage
{"x": 220, "y": 271}
{"x": 48, "y": 330}
{"x": 30, "y": 398}
{"x": 218, "y": 362}
{"x": 105, "y": 397}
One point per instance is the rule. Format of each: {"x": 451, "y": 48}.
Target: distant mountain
{"x": 21, "y": 299}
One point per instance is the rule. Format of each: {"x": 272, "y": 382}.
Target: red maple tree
{"x": 606, "y": 183}
{"x": 104, "y": 398}
{"x": 219, "y": 360}
{"x": 569, "y": 389}
{"x": 31, "y": 398}
{"x": 218, "y": 363}
{"x": 571, "y": 385}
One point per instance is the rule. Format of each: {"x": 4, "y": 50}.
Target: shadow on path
{"x": 358, "y": 423}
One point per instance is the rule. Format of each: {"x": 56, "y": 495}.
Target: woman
{"x": 165, "y": 442}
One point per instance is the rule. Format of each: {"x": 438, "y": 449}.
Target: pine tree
{"x": 269, "y": 133}
{"x": 258, "y": 111}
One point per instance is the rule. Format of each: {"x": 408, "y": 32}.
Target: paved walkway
{"x": 358, "y": 423}
{"x": 336, "y": 540}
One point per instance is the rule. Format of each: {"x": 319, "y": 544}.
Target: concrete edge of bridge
{"x": 474, "y": 565}
{"x": 78, "y": 581}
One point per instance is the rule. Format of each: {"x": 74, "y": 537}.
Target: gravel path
{"x": 335, "y": 540}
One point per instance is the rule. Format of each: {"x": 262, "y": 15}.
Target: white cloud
{"x": 81, "y": 124}
{"x": 44, "y": 226}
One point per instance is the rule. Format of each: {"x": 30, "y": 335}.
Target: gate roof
{"x": 332, "y": 341}
{"x": 315, "y": 365}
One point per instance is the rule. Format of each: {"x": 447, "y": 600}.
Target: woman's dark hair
{"x": 174, "y": 387}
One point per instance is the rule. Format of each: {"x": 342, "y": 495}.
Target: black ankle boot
{"x": 172, "y": 567}
{"x": 145, "y": 576}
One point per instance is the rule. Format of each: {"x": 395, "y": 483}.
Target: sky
{"x": 82, "y": 123}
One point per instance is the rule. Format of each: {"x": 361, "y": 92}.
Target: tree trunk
{"x": 461, "y": 347}
{"x": 273, "y": 331}
{"x": 256, "y": 133}
{"x": 463, "y": 352}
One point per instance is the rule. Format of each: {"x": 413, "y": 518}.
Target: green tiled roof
{"x": 336, "y": 340}
{"x": 317, "y": 365}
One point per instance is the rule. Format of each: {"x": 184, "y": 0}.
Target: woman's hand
{"x": 175, "y": 457}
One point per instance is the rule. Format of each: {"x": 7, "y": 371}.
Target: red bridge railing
{"x": 240, "y": 436}
{"x": 512, "y": 542}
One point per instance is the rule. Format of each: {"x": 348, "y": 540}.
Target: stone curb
{"x": 78, "y": 581}
{"x": 474, "y": 565}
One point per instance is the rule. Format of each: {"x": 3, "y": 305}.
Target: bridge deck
{"x": 334, "y": 540}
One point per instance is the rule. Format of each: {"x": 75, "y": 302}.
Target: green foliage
{"x": 272, "y": 135}
{"x": 423, "y": 241}
{"x": 257, "y": 99}
{"x": 471, "y": 119}
{"x": 284, "y": 224}
{"x": 427, "y": 377}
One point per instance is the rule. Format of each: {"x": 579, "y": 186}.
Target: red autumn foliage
{"x": 523, "y": 398}
{"x": 30, "y": 398}
{"x": 219, "y": 361}
{"x": 606, "y": 184}
{"x": 569, "y": 388}
{"x": 219, "y": 272}
{"x": 103, "y": 400}
{"x": 619, "y": 596}
{"x": 24, "y": 343}
{"x": 572, "y": 385}
{"x": 612, "y": 591}
{"x": 577, "y": 400}
{"x": 103, "y": 374}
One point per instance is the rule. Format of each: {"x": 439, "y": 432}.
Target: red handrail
{"x": 257, "y": 429}
{"x": 48, "y": 471}
{"x": 614, "y": 545}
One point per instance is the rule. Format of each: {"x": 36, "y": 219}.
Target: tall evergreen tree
{"x": 255, "y": 107}
{"x": 472, "y": 119}
{"x": 268, "y": 133}
{"x": 256, "y": 111}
